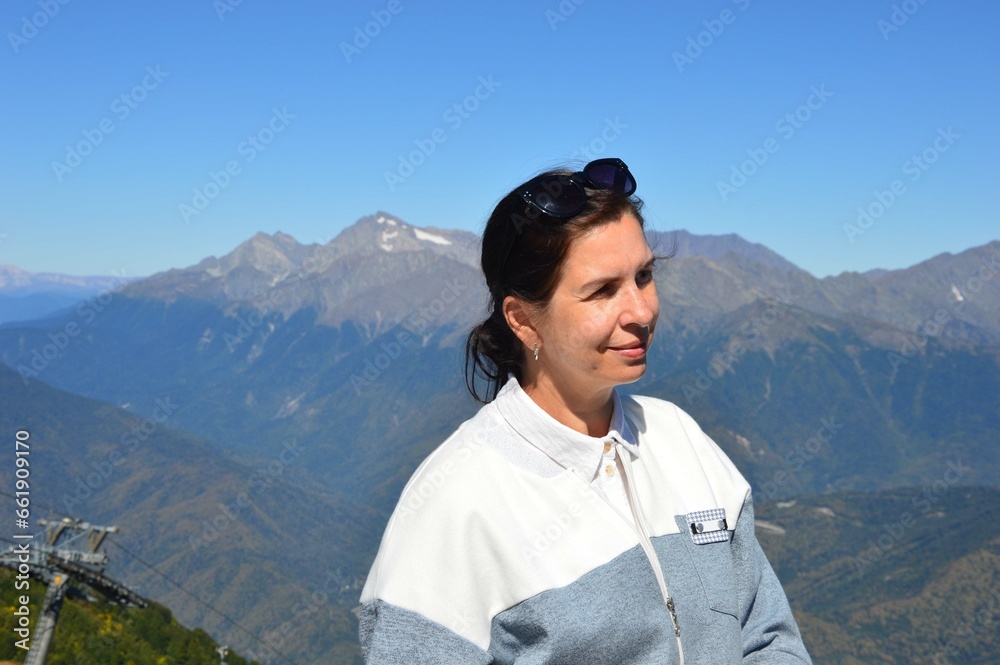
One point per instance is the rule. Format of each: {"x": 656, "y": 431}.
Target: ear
{"x": 516, "y": 313}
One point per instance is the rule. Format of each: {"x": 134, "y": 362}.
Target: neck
{"x": 586, "y": 412}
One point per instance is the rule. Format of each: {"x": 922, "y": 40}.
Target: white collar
{"x": 570, "y": 449}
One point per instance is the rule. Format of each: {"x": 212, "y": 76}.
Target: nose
{"x": 637, "y": 307}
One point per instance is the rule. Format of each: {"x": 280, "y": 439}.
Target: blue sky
{"x": 774, "y": 120}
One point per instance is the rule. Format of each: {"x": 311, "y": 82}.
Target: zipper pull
{"x": 673, "y": 615}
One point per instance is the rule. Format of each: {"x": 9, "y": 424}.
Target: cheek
{"x": 590, "y": 328}
{"x": 602, "y": 326}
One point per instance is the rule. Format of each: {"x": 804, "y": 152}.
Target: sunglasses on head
{"x": 563, "y": 196}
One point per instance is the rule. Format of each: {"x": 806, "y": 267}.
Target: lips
{"x": 634, "y": 345}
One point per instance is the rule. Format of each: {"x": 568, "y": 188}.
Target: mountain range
{"x": 25, "y": 296}
{"x": 354, "y": 349}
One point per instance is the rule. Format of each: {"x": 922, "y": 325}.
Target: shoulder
{"x": 654, "y": 405}
{"x": 465, "y": 485}
{"x": 671, "y": 433}
{"x": 453, "y": 468}
{"x": 655, "y": 414}
{"x": 657, "y": 405}
{"x": 453, "y": 527}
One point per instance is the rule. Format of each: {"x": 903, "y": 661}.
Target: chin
{"x": 629, "y": 374}
{"x": 635, "y": 376}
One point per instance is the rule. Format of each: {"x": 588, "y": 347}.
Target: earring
{"x": 536, "y": 350}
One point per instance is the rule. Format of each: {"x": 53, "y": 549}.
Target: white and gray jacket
{"x": 503, "y": 548}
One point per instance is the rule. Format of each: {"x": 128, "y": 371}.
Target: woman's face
{"x": 606, "y": 298}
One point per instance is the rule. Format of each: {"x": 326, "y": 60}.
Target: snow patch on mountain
{"x": 432, "y": 237}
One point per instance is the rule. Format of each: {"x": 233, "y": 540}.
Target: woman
{"x": 566, "y": 522}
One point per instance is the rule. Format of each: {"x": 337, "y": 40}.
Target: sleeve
{"x": 429, "y": 595}
{"x": 770, "y": 634}
{"x": 391, "y": 635}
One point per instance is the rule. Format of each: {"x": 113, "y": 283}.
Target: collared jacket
{"x": 503, "y": 548}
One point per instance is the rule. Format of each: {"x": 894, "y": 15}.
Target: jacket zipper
{"x": 647, "y": 544}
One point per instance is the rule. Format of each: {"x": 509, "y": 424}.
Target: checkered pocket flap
{"x": 708, "y": 526}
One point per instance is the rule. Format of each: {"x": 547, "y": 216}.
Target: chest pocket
{"x": 714, "y": 563}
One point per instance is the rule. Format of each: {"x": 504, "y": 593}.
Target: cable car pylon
{"x": 70, "y": 552}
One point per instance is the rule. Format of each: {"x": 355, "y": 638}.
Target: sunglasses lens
{"x": 611, "y": 175}
{"x": 557, "y": 196}
{"x": 563, "y": 196}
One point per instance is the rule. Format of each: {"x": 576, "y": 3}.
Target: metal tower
{"x": 61, "y": 558}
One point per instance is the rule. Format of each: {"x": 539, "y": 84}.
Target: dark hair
{"x": 537, "y": 252}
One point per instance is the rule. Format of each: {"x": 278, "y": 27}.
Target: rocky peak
{"x": 387, "y": 233}
{"x": 273, "y": 255}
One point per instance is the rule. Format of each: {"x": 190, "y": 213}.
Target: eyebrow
{"x": 612, "y": 278}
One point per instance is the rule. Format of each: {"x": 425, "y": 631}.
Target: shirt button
{"x": 607, "y": 448}
{"x": 610, "y": 470}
